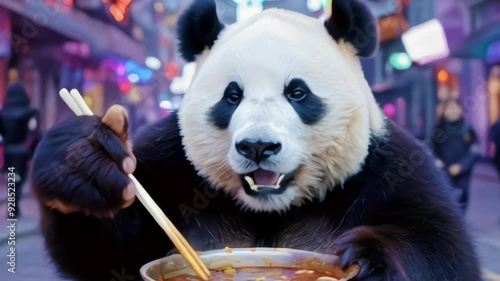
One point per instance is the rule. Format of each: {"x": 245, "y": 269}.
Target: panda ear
{"x": 198, "y": 28}
{"x": 353, "y": 22}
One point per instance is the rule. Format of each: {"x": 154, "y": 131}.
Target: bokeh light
{"x": 390, "y": 110}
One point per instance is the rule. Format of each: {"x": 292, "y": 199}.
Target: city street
{"x": 483, "y": 218}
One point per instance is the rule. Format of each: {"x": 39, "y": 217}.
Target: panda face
{"x": 277, "y": 112}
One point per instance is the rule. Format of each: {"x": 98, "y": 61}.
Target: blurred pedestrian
{"x": 20, "y": 132}
{"x": 495, "y": 138}
{"x": 456, "y": 151}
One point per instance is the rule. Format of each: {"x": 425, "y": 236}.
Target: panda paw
{"x": 82, "y": 165}
{"x": 362, "y": 246}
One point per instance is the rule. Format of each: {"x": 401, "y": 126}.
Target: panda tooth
{"x": 279, "y": 180}
{"x": 251, "y": 183}
{"x": 255, "y": 187}
{"x": 249, "y": 180}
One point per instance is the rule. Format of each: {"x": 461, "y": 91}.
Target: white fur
{"x": 262, "y": 54}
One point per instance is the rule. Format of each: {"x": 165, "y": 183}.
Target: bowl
{"x": 238, "y": 258}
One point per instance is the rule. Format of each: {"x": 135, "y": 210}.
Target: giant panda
{"x": 278, "y": 142}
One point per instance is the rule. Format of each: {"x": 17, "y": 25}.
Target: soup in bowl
{"x": 252, "y": 264}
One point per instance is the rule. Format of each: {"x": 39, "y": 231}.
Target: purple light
{"x": 116, "y": 66}
{"x": 120, "y": 70}
{"x": 390, "y": 110}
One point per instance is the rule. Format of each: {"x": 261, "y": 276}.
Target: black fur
{"x": 220, "y": 114}
{"x": 198, "y": 28}
{"x": 78, "y": 167}
{"x": 395, "y": 218}
{"x": 310, "y": 109}
{"x": 353, "y": 22}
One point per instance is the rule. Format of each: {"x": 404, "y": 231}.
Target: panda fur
{"x": 373, "y": 196}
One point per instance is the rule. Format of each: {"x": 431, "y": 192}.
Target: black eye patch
{"x": 220, "y": 114}
{"x": 308, "y": 106}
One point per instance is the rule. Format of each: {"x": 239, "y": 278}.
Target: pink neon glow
{"x": 390, "y": 110}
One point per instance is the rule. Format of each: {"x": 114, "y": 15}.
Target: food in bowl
{"x": 263, "y": 274}
{"x": 252, "y": 264}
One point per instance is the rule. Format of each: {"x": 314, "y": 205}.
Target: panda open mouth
{"x": 263, "y": 181}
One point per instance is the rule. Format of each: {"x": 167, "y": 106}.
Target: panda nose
{"x": 257, "y": 150}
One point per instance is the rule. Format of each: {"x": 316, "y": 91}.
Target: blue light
{"x": 145, "y": 74}
{"x": 400, "y": 61}
{"x": 131, "y": 66}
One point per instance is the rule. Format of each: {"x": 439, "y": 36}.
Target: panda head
{"x": 278, "y": 111}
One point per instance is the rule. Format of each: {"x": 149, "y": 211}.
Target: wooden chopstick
{"x": 77, "y": 104}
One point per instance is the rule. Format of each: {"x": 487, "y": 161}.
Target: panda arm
{"x": 90, "y": 248}
{"x": 403, "y": 223}
{"x": 416, "y": 244}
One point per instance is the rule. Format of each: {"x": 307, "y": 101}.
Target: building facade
{"x": 52, "y": 44}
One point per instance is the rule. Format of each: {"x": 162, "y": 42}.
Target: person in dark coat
{"x": 456, "y": 149}
{"x": 495, "y": 138}
{"x": 19, "y": 130}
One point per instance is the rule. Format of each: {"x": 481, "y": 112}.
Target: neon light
{"x": 119, "y": 9}
{"x": 315, "y": 5}
{"x": 116, "y": 13}
{"x": 133, "y": 78}
{"x": 390, "y": 110}
{"x": 400, "y": 61}
{"x": 426, "y": 42}
{"x": 153, "y": 63}
{"x": 166, "y": 104}
{"x": 443, "y": 75}
{"x": 125, "y": 86}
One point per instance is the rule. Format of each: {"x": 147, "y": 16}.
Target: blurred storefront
{"x": 483, "y": 44}
{"x": 475, "y": 59}
{"x": 462, "y": 42}
{"x": 90, "y": 45}
{"x": 403, "y": 77}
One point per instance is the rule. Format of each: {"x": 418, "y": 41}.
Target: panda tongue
{"x": 265, "y": 177}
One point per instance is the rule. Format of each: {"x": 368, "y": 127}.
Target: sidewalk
{"x": 28, "y": 223}
{"x": 483, "y": 220}
{"x": 32, "y": 261}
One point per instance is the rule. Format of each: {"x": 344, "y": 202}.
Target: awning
{"x": 477, "y": 43}
{"x": 101, "y": 37}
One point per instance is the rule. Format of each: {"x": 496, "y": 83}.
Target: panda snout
{"x": 257, "y": 150}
